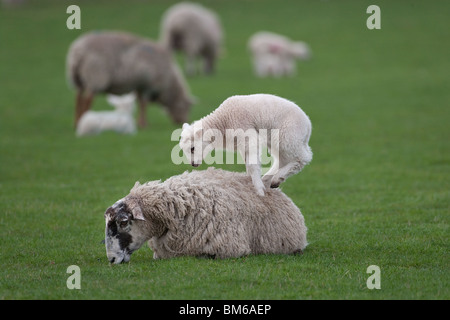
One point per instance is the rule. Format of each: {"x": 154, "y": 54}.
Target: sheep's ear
{"x": 137, "y": 213}
{"x": 193, "y": 99}
{"x": 136, "y": 185}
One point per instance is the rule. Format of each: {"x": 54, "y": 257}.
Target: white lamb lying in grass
{"x": 248, "y": 123}
{"x": 120, "y": 120}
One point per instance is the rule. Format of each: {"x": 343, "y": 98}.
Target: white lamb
{"x": 276, "y": 55}
{"x": 120, "y": 120}
{"x": 248, "y": 123}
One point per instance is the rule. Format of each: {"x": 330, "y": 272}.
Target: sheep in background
{"x": 276, "y": 55}
{"x": 212, "y": 213}
{"x": 120, "y": 120}
{"x": 194, "y": 30}
{"x": 119, "y": 63}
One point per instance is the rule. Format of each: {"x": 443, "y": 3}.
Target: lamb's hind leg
{"x": 285, "y": 172}
{"x": 292, "y": 161}
{"x": 268, "y": 176}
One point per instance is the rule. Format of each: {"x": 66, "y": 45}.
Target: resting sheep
{"x": 276, "y": 55}
{"x": 120, "y": 120}
{"x": 194, "y": 30}
{"x": 119, "y": 63}
{"x": 212, "y": 213}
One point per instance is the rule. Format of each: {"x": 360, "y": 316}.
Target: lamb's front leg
{"x": 254, "y": 171}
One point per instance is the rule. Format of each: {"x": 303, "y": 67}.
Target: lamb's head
{"x": 192, "y": 143}
{"x": 124, "y": 103}
{"x": 300, "y": 50}
{"x": 125, "y": 230}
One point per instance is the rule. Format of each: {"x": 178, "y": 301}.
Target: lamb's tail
{"x": 307, "y": 155}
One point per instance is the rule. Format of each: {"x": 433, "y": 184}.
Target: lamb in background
{"x": 120, "y": 120}
{"x": 247, "y": 123}
{"x": 194, "y": 30}
{"x": 275, "y": 55}
{"x": 119, "y": 63}
{"x": 212, "y": 213}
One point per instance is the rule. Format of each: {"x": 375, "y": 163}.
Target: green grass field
{"x": 376, "y": 192}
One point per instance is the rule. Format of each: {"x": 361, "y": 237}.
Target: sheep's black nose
{"x": 112, "y": 260}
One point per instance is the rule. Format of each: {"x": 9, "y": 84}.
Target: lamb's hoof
{"x": 267, "y": 180}
{"x": 298, "y": 252}
{"x": 275, "y": 185}
{"x": 260, "y": 192}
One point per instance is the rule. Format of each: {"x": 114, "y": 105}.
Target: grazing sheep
{"x": 120, "y": 120}
{"x": 246, "y": 124}
{"x": 194, "y": 30}
{"x": 275, "y": 55}
{"x": 203, "y": 213}
{"x": 118, "y": 63}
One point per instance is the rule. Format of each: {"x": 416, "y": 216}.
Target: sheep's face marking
{"x": 123, "y": 234}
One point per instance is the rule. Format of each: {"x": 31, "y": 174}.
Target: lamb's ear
{"x": 129, "y": 97}
{"x": 112, "y": 99}
{"x": 198, "y": 132}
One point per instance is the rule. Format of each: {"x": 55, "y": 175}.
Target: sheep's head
{"x": 124, "y": 231}
{"x": 179, "y": 110}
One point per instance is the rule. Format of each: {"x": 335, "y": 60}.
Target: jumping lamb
{"x": 275, "y": 55}
{"x": 247, "y": 123}
{"x": 119, "y": 63}
{"x": 207, "y": 213}
{"x": 120, "y": 120}
{"x": 194, "y": 30}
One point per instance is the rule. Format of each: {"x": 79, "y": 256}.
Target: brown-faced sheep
{"x": 213, "y": 213}
{"x": 194, "y": 30}
{"x": 119, "y": 63}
